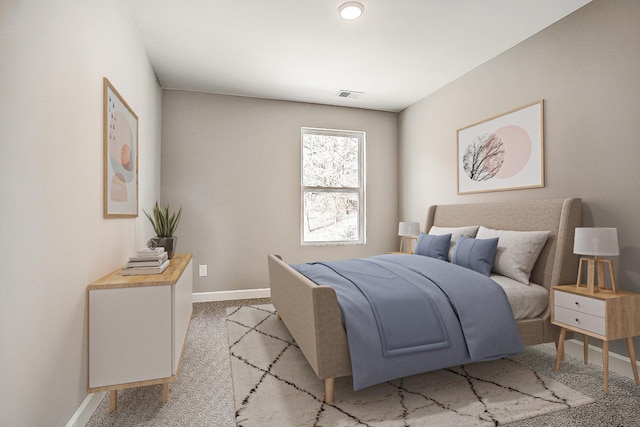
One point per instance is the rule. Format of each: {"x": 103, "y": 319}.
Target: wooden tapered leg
{"x": 605, "y": 365}
{"x": 560, "y": 355}
{"x": 113, "y": 400}
{"x": 632, "y": 357}
{"x": 556, "y": 343}
{"x": 585, "y": 340}
{"x": 328, "y": 390}
{"x": 165, "y": 392}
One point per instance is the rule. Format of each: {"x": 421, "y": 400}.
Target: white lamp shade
{"x": 409, "y": 229}
{"x": 596, "y": 241}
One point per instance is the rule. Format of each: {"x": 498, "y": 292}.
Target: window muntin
{"x": 332, "y": 187}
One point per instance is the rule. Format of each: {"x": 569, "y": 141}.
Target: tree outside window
{"x": 332, "y": 187}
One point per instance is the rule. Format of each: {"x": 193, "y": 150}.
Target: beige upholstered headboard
{"x": 556, "y": 264}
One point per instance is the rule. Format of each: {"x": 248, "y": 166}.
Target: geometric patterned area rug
{"x": 275, "y": 386}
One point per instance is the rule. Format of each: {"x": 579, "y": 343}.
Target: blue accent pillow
{"x": 433, "y": 246}
{"x": 475, "y": 254}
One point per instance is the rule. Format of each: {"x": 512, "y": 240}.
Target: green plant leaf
{"x": 163, "y": 221}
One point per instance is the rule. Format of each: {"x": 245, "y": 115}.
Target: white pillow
{"x": 517, "y": 252}
{"x": 455, "y": 232}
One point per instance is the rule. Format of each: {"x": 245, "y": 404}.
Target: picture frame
{"x": 120, "y": 139}
{"x": 505, "y": 152}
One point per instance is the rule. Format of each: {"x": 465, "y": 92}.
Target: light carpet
{"x": 275, "y": 386}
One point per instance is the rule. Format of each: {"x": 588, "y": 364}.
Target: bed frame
{"x": 312, "y": 315}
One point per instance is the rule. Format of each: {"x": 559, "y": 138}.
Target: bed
{"x": 313, "y": 316}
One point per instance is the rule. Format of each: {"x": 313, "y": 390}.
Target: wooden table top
{"x": 169, "y": 276}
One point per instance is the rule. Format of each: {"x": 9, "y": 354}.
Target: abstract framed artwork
{"x": 505, "y": 152}
{"x": 120, "y": 156}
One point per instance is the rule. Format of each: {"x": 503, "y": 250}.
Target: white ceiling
{"x": 398, "y": 52}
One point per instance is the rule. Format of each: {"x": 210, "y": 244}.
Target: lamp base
{"x": 407, "y": 241}
{"x": 596, "y": 265}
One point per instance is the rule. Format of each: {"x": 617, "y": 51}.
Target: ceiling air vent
{"x": 352, "y": 94}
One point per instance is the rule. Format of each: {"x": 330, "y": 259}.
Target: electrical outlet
{"x": 203, "y": 270}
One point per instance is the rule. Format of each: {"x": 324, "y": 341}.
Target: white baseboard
{"x": 231, "y": 295}
{"x": 617, "y": 362}
{"x": 86, "y": 409}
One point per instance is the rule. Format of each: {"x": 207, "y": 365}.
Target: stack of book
{"x": 147, "y": 261}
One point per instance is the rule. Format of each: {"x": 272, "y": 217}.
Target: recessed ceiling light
{"x": 351, "y": 10}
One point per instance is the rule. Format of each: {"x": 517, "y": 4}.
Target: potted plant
{"x": 164, "y": 224}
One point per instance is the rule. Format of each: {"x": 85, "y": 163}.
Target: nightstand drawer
{"x": 580, "y": 320}
{"x": 580, "y": 303}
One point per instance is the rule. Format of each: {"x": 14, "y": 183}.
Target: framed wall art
{"x": 502, "y": 153}
{"x": 120, "y": 156}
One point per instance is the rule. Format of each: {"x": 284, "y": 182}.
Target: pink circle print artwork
{"x": 501, "y": 154}
{"x": 517, "y": 150}
{"x": 121, "y": 155}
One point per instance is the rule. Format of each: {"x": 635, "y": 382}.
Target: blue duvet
{"x": 407, "y": 314}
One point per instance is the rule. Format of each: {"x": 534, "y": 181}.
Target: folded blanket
{"x": 407, "y": 321}
{"x": 407, "y": 314}
{"x": 480, "y": 304}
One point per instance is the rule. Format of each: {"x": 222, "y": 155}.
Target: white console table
{"x": 137, "y": 328}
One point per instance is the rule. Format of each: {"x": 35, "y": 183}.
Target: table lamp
{"x": 408, "y": 231}
{"x": 596, "y": 242}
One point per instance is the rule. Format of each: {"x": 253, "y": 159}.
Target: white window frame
{"x": 360, "y": 191}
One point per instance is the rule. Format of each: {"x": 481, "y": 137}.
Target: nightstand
{"x": 604, "y": 315}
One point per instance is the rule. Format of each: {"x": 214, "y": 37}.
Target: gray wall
{"x": 54, "y": 55}
{"x": 233, "y": 164}
{"x": 586, "y": 67}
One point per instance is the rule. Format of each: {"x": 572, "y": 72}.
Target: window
{"x": 332, "y": 187}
